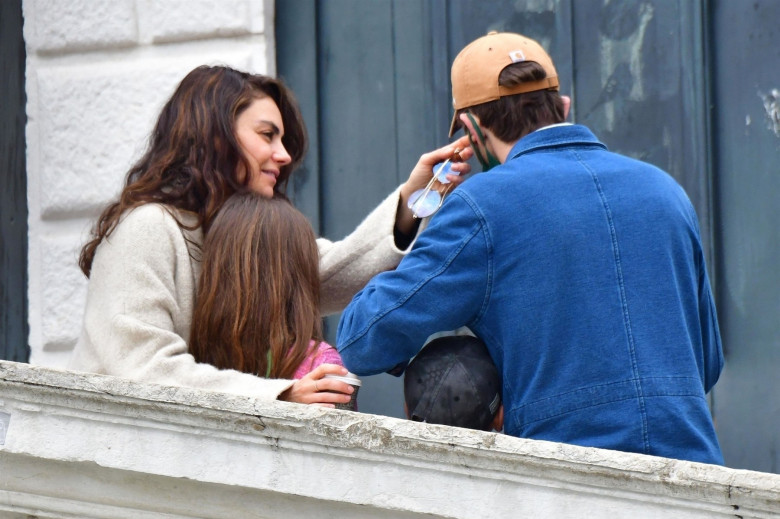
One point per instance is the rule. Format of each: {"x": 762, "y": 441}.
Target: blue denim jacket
{"x": 583, "y": 272}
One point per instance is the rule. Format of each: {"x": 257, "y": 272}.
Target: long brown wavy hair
{"x": 192, "y": 157}
{"x": 257, "y": 307}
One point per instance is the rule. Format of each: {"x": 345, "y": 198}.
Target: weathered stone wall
{"x": 92, "y": 446}
{"x": 97, "y": 74}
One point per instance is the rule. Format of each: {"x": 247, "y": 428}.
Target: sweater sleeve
{"x": 139, "y": 307}
{"x": 323, "y": 353}
{"x": 347, "y": 265}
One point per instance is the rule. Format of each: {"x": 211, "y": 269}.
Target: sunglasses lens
{"x": 442, "y": 172}
{"x": 426, "y": 206}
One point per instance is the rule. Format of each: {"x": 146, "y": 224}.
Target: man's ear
{"x": 498, "y": 420}
{"x": 467, "y": 126}
{"x": 566, "y": 106}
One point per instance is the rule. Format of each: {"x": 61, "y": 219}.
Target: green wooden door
{"x": 654, "y": 79}
{"x": 373, "y": 86}
{"x": 746, "y": 147}
{"x": 13, "y": 187}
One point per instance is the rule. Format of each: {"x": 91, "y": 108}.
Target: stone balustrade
{"x": 92, "y": 446}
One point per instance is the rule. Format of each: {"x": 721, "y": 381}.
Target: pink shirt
{"x": 324, "y": 353}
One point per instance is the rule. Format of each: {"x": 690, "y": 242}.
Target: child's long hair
{"x": 257, "y": 307}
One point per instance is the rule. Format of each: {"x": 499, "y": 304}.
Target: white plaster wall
{"x": 98, "y": 72}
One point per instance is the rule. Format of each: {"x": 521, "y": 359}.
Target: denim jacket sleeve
{"x": 710, "y": 360}
{"x": 442, "y": 284}
{"x": 711, "y": 343}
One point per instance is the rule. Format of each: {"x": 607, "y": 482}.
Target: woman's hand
{"x": 315, "y": 389}
{"x": 423, "y": 171}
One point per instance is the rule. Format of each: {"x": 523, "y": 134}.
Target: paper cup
{"x": 352, "y": 380}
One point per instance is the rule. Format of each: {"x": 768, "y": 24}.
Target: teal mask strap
{"x": 489, "y": 161}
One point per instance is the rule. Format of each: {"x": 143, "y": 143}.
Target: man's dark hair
{"x": 512, "y": 117}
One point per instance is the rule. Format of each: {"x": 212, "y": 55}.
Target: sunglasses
{"x": 425, "y": 202}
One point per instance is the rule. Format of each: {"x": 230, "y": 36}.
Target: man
{"x": 582, "y": 271}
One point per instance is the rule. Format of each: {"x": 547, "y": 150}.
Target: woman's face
{"x": 259, "y": 130}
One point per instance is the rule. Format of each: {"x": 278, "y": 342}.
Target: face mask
{"x": 488, "y": 161}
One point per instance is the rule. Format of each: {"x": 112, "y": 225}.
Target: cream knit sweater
{"x": 142, "y": 291}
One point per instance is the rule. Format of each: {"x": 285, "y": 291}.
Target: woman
{"x": 257, "y": 305}
{"x": 220, "y": 132}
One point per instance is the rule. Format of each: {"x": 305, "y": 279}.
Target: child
{"x": 257, "y": 307}
{"x": 453, "y": 381}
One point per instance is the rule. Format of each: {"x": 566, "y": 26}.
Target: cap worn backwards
{"x": 453, "y": 381}
{"x": 477, "y": 67}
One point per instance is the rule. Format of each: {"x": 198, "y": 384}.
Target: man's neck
{"x": 501, "y": 149}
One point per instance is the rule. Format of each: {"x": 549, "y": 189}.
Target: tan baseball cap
{"x": 476, "y": 69}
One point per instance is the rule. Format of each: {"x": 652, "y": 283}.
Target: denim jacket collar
{"x": 556, "y": 136}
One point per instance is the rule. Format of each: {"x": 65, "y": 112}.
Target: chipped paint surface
{"x": 771, "y": 102}
{"x": 621, "y": 50}
{"x": 536, "y": 6}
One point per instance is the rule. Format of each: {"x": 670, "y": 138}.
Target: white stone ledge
{"x": 81, "y": 445}
{"x": 186, "y": 20}
{"x": 76, "y": 25}
{"x": 57, "y": 27}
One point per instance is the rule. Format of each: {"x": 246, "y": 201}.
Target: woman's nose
{"x": 281, "y": 156}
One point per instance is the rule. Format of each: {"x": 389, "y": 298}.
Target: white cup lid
{"x": 349, "y": 378}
